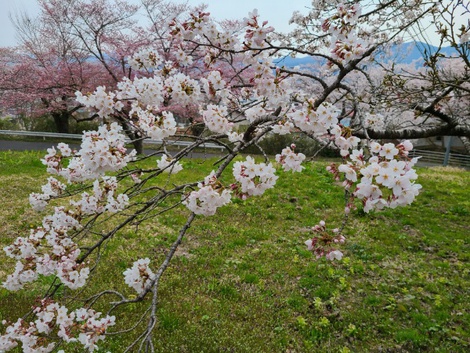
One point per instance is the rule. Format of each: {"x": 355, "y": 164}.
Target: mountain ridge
{"x": 405, "y": 53}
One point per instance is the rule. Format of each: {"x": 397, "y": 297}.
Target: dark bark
{"x": 137, "y": 141}
{"x": 62, "y": 121}
{"x": 416, "y": 133}
{"x": 132, "y": 134}
{"x": 466, "y": 143}
{"x": 138, "y": 146}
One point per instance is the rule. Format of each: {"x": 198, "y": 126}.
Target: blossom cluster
{"x": 169, "y": 165}
{"x": 104, "y": 150}
{"x": 385, "y": 179}
{"x": 346, "y": 45}
{"x": 145, "y": 99}
{"x": 105, "y": 102}
{"x": 155, "y": 126}
{"x": 200, "y": 26}
{"x": 254, "y": 113}
{"x": 220, "y": 44}
{"x": 81, "y": 325}
{"x": 53, "y": 188}
{"x": 343, "y": 19}
{"x": 182, "y": 89}
{"x": 256, "y": 34}
{"x": 215, "y": 119}
{"x": 349, "y": 48}
{"x": 102, "y": 199}
{"x": 139, "y": 275}
{"x": 210, "y": 196}
{"x": 346, "y": 142}
{"x": 291, "y": 160}
{"x": 283, "y": 127}
{"x": 253, "y": 179}
{"x": 318, "y": 121}
{"x": 33, "y": 259}
{"x": 325, "y": 241}
{"x": 147, "y": 58}
{"x": 213, "y": 83}
{"x": 55, "y": 159}
{"x": 101, "y": 151}
{"x": 272, "y": 87}
{"x": 31, "y": 253}
{"x": 146, "y": 91}
{"x": 374, "y": 121}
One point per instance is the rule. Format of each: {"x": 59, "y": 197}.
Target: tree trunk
{"x": 466, "y": 143}
{"x": 137, "y": 141}
{"x": 61, "y": 120}
{"x": 138, "y": 146}
{"x": 131, "y": 133}
{"x": 415, "y": 133}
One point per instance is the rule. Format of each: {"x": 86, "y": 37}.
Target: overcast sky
{"x": 277, "y": 12}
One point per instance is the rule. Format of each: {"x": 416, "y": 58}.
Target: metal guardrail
{"x": 40, "y": 134}
{"x": 427, "y": 157}
{"x": 438, "y": 158}
{"x": 79, "y": 137}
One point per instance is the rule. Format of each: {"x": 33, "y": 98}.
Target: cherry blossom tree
{"x": 388, "y": 99}
{"x": 96, "y": 191}
{"x": 42, "y": 75}
{"x": 78, "y": 45}
{"x": 44, "y": 82}
{"x": 71, "y": 46}
{"x": 426, "y": 98}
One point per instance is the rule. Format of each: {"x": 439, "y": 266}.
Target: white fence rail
{"x": 44, "y": 135}
{"x": 439, "y": 158}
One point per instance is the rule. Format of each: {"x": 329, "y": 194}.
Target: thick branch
{"x": 416, "y": 133}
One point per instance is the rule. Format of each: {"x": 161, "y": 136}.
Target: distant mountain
{"x": 288, "y": 61}
{"x": 405, "y": 53}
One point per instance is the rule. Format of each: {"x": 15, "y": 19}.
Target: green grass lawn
{"x": 243, "y": 280}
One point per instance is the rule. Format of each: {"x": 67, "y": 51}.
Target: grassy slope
{"x": 244, "y": 282}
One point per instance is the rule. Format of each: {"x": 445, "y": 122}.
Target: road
{"x": 13, "y": 145}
